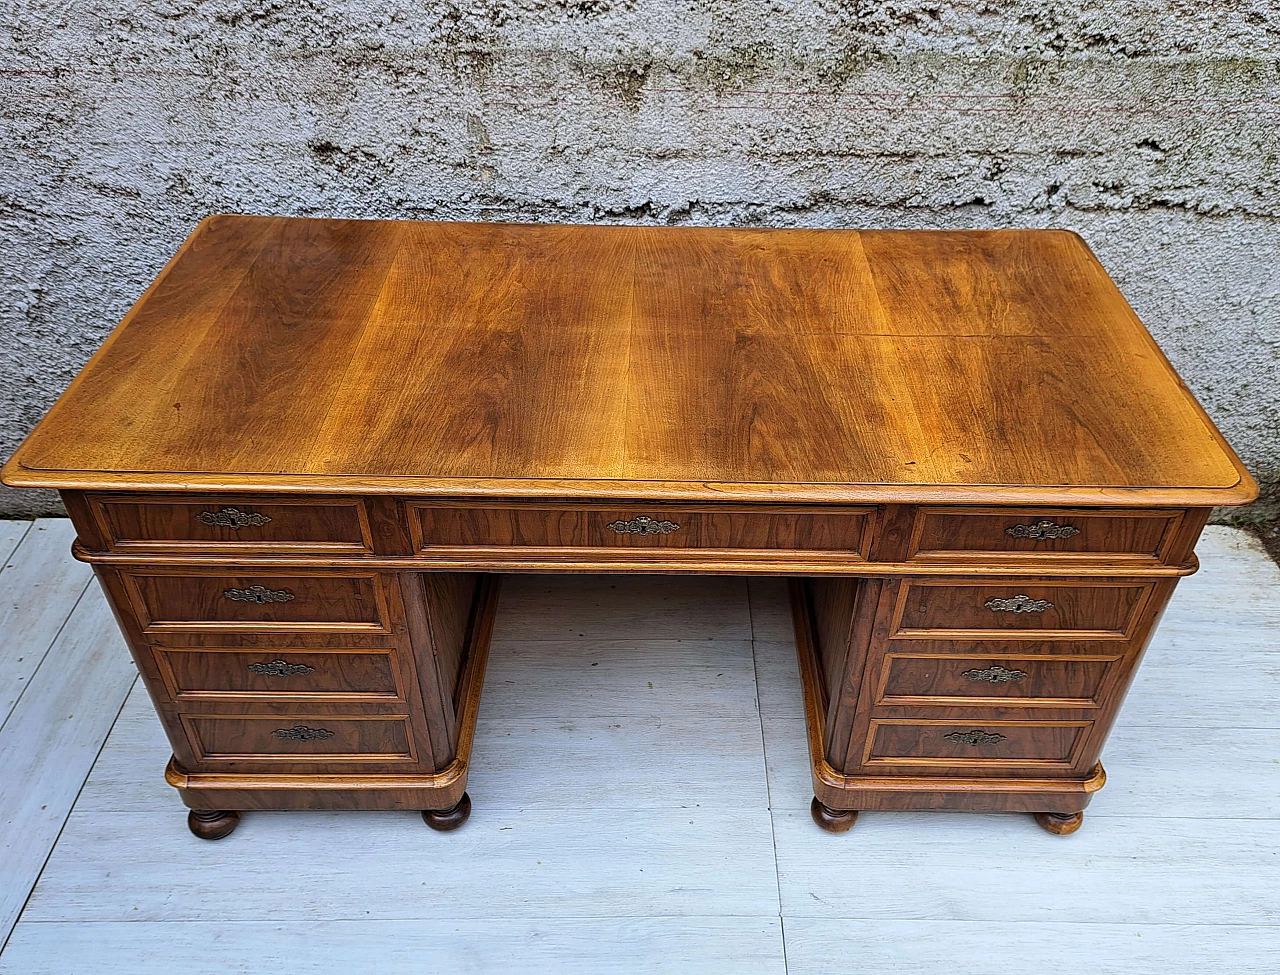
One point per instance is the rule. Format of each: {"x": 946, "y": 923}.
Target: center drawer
{"x": 642, "y": 528}
{"x": 234, "y": 673}
{"x": 209, "y": 601}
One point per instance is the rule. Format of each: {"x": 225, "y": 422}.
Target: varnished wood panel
{"x": 174, "y": 524}
{"x": 982, "y": 535}
{"x": 200, "y": 602}
{"x": 996, "y": 677}
{"x": 833, "y": 614}
{"x": 763, "y": 529}
{"x": 923, "y": 743}
{"x": 226, "y": 673}
{"x": 507, "y": 361}
{"x": 253, "y": 739}
{"x": 1085, "y": 610}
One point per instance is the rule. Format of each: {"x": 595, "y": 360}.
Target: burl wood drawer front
{"x": 1018, "y": 610}
{"x": 239, "y": 674}
{"x": 644, "y": 528}
{"x": 1046, "y": 744}
{"x": 300, "y": 738}
{"x": 221, "y": 602}
{"x": 229, "y": 524}
{"x": 1024, "y": 680}
{"x": 1048, "y": 535}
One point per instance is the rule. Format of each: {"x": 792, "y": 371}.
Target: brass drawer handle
{"x": 302, "y": 733}
{"x": 643, "y": 525}
{"x": 232, "y": 518}
{"x": 258, "y": 594}
{"x": 1018, "y": 604}
{"x": 995, "y": 674}
{"x": 281, "y": 668}
{"x": 1042, "y": 529}
{"x": 975, "y": 737}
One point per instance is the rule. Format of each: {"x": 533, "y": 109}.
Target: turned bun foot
{"x": 212, "y": 824}
{"x": 1060, "y": 824}
{"x": 832, "y": 820}
{"x": 451, "y": 818}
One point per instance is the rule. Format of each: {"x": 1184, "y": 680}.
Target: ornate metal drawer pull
{"x": 1042, "y": 529}
{"x": 281, "y": 668}
{"x": 975, "y": 737}
{"x": 232, "y": 518}
{"x": 995, "y": 674}
{"x": 643, "y": 526}
{"x": 302, "y": 733}
{"x": 258, "y": 594}
{"x": 1018, "y": 604}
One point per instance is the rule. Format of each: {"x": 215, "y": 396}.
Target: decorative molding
{"x": 1042, "y": 529}
{"x": 1018, "y": 604}
{"x": 302, "y": 733}
{"x": 281, "y": 668}
{"x": 995, "y": 674}
{"x": 258, "y": 594}
{"x": 643, "y": 525}
{"x": 232, "y": 518}
{"x": 975, "y": 737}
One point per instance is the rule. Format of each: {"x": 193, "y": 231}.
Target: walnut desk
{"x": 301, "y": 462}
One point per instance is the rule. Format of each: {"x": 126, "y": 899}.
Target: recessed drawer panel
{"x": 234, "y": 525}
{"x": 643, "y": 528}
{"x": 1019, "y": 610}
{"x": 284, "y": 675}
{"x": 979, "y": 743}
{"x": 983, "y": 535}
{"x": 229, "y": 738}
{"x": 264, "y": 603}
{"x": 1025, "y": 680}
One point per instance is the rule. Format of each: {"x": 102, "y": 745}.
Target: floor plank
{"x": 1004, "y": 869}
{"x": 597, "y": 607}
{"x": 39, "y": 586}
{"x": 597, "y": 679}
{"x": 50, "y": 741}
{"x": 544, "y": 946}
{"x": 11, "y": 533}
{"x": 508, "y": 861}
{"x": 821, "y": 946}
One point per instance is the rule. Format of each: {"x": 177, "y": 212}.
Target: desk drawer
{"x": 232, "y": 524}
{"x": 300, "y": 738}
{"x": 276, "y": 675}
{"x": 641, "y": 528}
{"x": 1050, "y": 536}
{"x": 1018, "y": 609}
{"x": 218, "y": 602}
{"x": 1001, "y": 676}
{"x": 975, "y": 744}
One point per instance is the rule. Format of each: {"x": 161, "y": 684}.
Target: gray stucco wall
{"x": 1149, "y": 127}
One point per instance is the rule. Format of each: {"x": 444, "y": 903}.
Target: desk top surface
{"x": 509, "y": 360}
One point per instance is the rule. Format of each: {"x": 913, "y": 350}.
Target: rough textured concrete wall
{"x": 1149, "y": 127}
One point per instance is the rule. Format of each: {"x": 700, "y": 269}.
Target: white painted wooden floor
{"x": 641, "y": 805}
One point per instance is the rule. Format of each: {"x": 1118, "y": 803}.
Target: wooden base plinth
{"x": 832, "y": 820}
{"x": 445, "y": 820}
{"x": 1060, "y": 825}
{"x": 212, "y": 824}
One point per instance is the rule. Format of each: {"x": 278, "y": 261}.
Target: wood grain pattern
{"x": 515, "y": 360}
{"x": 158, "y": 524}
